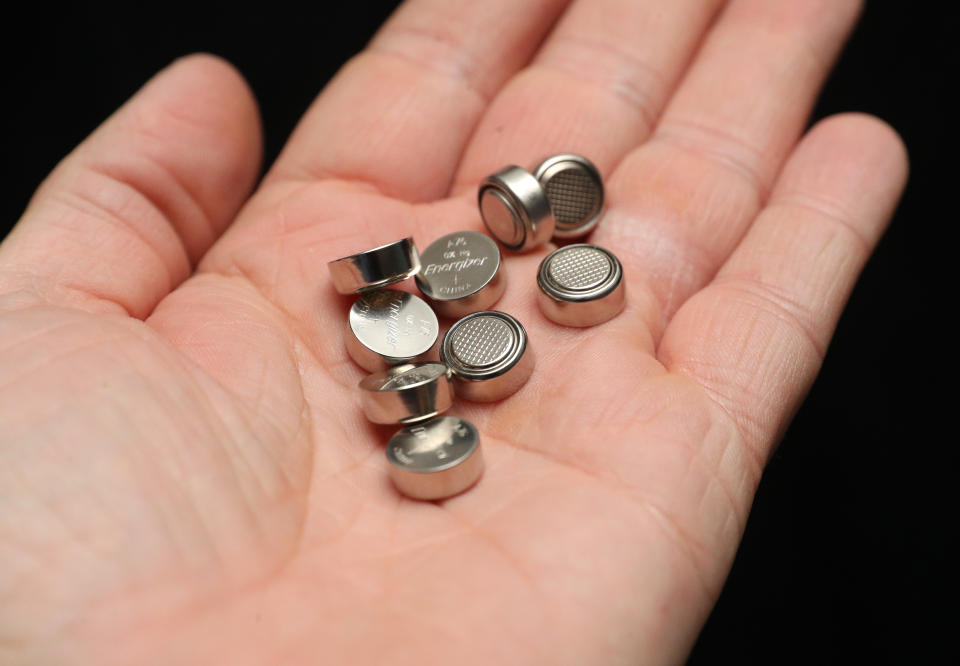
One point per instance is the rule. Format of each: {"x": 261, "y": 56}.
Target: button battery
{"x": 390, "y": 327}
{"x": 376, "y": 268}
{"x": 461, "y": 273}
{"x": 575, "y": 191}
{"x": 435, "y": 459}
{"x": 488, "y": 354}
{"x": 581, "y": 285}
{"x": 407, "y": 393}
{"x": 515, "y": 209}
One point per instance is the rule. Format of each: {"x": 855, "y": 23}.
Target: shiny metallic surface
{"x": 488, "y": 354}
{"x": 575, "y": 192}
{"x": 581, "y": 285}
{"x": 515, "y": 209}
{"x": 435, "y": 459}
{"x": 461, "y": 273}
{"x": 501, "y": 218}
{"x": 390, "y": 327}
{"x": 379, "y": 267}
{"x": 407, "y": 393}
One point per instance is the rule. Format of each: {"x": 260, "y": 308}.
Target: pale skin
{"x": 185, "y": 473}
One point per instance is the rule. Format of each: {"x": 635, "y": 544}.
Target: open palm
{"x": 185, "y": 473}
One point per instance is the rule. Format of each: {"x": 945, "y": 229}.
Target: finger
{"x": 680, "y": 202}
{"x": 398, "y": 114}
{"x": 755, "y": 337}
{"x": 595, "y": 88}
{"x": 120, "y": 221}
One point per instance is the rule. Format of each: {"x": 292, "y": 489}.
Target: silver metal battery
{"x": 515, "y": 209}
{"x": 461, "y": 274}
{"x": 379, "y": 267}
{"x": 390, "y": 327}
{"x": 407, "y": 393}
{"x": 581, "y": 285}
{"x": 488, "y": 354}
{"x": 575, "y": 192}
{"x": 435, "y": 459}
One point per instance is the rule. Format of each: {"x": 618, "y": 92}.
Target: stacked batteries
{"x": 484, "y": 356}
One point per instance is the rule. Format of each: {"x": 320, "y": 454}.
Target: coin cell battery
{"x": 435, "y": 459}
{"x": 575, "y": 192}
{"x": 390, "y": 327}
{"x": 407, "y": 393}
{"x": 379, "y": 267}
{"x": 581, "y": 285}
{"x": 515, "y": 209}
{"x": 461, "y": 274}
{"x": 487, "y": 353}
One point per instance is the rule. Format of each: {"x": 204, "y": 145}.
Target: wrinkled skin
{"x": 185, "y": 474}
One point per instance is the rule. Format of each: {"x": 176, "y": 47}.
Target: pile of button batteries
{"x": 485, "y": 355}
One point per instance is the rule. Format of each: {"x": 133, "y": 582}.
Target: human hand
{"x": 186, "y": 475}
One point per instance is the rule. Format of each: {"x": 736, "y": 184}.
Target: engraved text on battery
{"x": 365, "y": 316}
{"x": 456, "y": 267}
{"x": 393, "y": 327}
{"x": 408, "y": 378}
{"x": 363, "y": 310}
{"x": 427, "y": 445}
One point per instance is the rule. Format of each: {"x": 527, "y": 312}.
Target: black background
{"x": 845, "y": 556}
